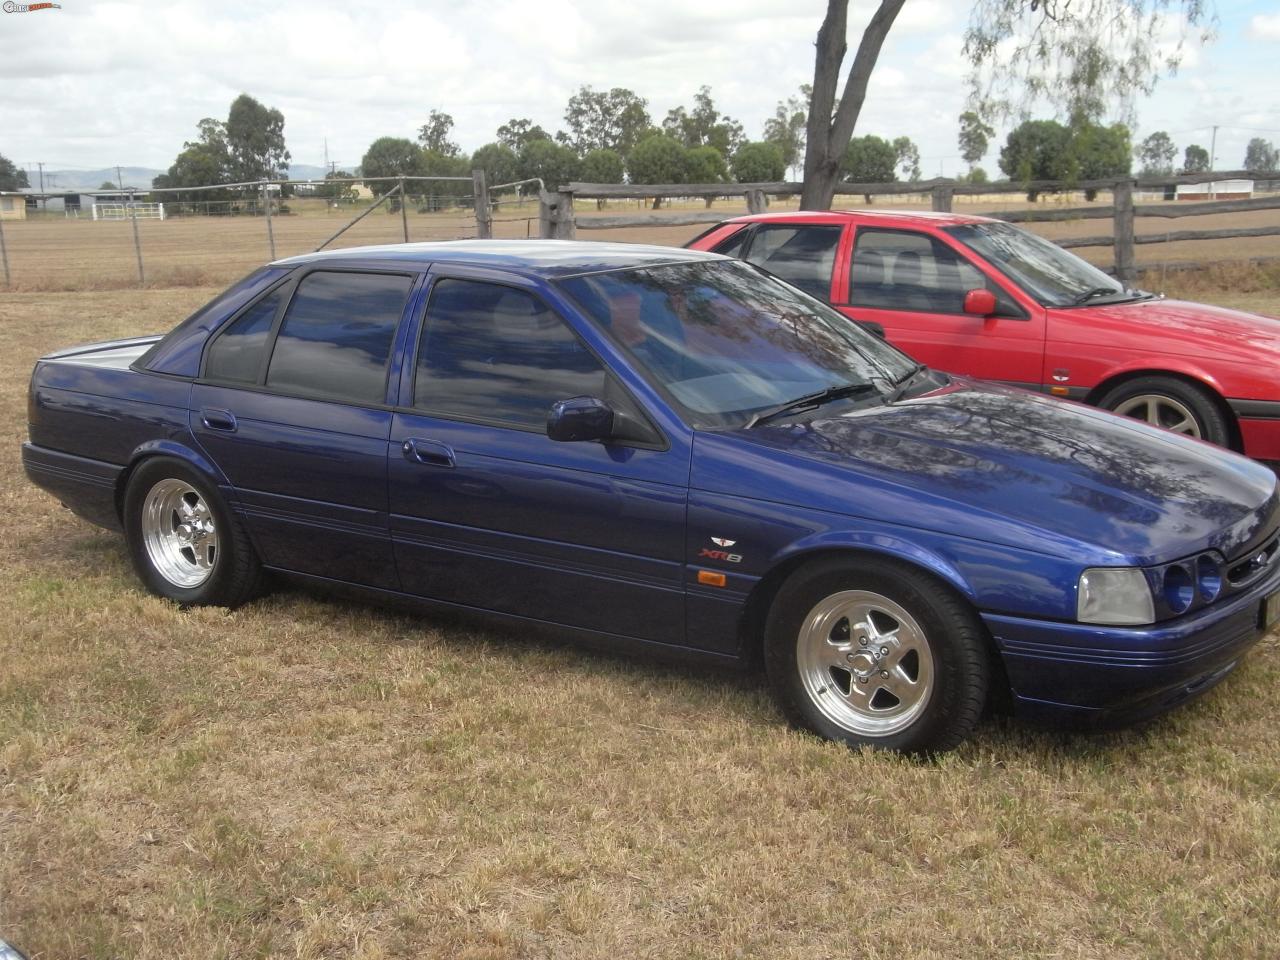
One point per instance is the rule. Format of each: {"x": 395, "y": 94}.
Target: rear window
{"x": 336, "y": 337}
{"x": 237, "y": 353}
{"x": 801, "y": 255}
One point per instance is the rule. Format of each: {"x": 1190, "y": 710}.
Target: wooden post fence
{"x": 484, "y": 214}
{"x": 942, "y": 196}
{"x": 756, "y": 202}
{"x": 404, "y": 212}
{"x": 1126, "y": 265}
{"x": 4, "y": 251}
{"x": 271, "y": 234}
{"x": 137, "y": 244}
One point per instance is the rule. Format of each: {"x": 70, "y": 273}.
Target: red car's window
{"x": 909, "y": 270}
{"x": 801, "y": 254}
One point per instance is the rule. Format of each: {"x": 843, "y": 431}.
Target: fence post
{"x": 566, "y": 224}
{"x": 546, "y": 215}
{"x": 484, "y": 216}
{"x": 404, "y": 213}
{"x": 266, "y": 205}
{"x": 4, "y": 251}
{"x": 942, "y": 195}
{"x": 1122, "y": 220}
{"x": 756, "y": 202}
{"x": 137, "y": 244}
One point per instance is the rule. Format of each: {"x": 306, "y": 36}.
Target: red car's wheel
{"x": 1172, "y": 404}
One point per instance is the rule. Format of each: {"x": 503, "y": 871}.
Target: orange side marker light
{"x": 711, "y": 578}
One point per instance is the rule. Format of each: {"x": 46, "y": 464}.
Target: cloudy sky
{"x": 97, "y": 84}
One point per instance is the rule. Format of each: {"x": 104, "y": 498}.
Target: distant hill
{"x": 139, "y": 177}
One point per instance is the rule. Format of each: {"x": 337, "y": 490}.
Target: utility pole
{"x": 326, "y": 151}
{"x": 44, "y": 202}
{"x": 119, "y": 178}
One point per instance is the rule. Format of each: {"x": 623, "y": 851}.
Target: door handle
{"x": 431, "y": 452}
{"x": 216, "y": 419}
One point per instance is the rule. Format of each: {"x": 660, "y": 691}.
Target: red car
{"x": 981, "y": 297}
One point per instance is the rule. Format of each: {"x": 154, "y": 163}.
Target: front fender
{"x": 886, "y": 545}
{"x": 1155, "y": 366}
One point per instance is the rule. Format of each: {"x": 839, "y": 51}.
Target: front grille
{"x": 1243, "y": 570}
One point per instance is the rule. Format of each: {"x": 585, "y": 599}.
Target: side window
{"x": 906, "y": 270}
{"x": 336, "y": 337}
{"x": 731, "y": 246}
{"x": 801, "y": 255}
{"x": 236, "y": 353}
{"x": 493, "y": 353}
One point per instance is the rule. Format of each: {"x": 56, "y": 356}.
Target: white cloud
{"x": 1265, "y": 26}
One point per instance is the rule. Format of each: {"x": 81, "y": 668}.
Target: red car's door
{"x": 914, "y": 284}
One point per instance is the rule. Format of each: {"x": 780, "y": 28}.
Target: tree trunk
{"x": 657, "y": 202}
{"x": 709, "y": 199}
{"x": 829, "y": 130}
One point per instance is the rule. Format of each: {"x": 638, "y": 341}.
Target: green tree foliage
{"x": 908, "y": 155}
{"x": 1157, "y": 154}
{"x": 555, "y": 163}
{"x": 12, "y": 177}
{"x": 390, "y": 157}
{"x": 433, "y": 163}
{"x": 202, "y": 162}
{"x": 518, "y": 131}
{"x": 975, "y": 136}
{"x": 603, "y": 166}
{"x": 870, "y": 159}
{"x": 600, "y": 120}
{"x": 434, "y": 134}
{"x": 786, "y": 128}
{"x": 705, "y": 165}
{"x": 1195, "y": 159}
{"x": 657, "y": 158}
{"x": 108, "y": 185}
{"x": 1261, "y": 156}
{"x": 255, "y": 141}
{"x": 1048, "y": 150}
{"x": 703, "y": 125}
{"x": 499, "y": 163}
{"x": 759, "y": 162}
{"x": 977, "y": 176}
{"x": 337, "y": 186}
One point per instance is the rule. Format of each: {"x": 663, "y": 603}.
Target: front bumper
{"x": 1110, "y": 676}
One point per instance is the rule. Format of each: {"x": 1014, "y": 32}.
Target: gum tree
{"x": 1077, "y": 55}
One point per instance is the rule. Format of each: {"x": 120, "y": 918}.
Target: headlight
{"x": 1114, "y": 595}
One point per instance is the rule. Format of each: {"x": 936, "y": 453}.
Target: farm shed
{"x": 13, "y": 206}
{"x": 1216, "y": 190}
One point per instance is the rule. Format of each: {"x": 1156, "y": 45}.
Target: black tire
{"x": 235, "y": 575}
{"x": 955, "y": 641}
{"x": 1210, "y": 421}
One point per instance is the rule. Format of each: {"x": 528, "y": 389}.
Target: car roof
{"x": 887, "y": 217}
{"x": 546, "y": 258}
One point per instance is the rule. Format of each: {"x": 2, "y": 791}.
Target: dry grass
{"x": 68, "y": 255}
{"x": 311, "y": 778}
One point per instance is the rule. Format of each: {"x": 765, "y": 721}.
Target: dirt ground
{"x": 311, "y": 778}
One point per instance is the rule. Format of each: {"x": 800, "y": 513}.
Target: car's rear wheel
{"x": 1172, "y": 404}
{"x": 876, "y": 653}
{"x": 185, "y": 544}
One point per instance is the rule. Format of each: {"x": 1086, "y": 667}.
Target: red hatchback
{"x": 981, "y": 297}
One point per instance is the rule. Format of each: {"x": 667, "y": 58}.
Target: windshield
{"x": 1053, "y": 276}
{"x": 724, "y": 341}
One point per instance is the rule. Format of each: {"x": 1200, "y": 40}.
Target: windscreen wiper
{"x": 1097, "y": 292}
{"x": 903, "y": 384}
{"x": 809, "y": 401}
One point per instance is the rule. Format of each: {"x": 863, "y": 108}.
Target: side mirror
{"x": 580, "y": 418}
{"x": 981, "y": 303}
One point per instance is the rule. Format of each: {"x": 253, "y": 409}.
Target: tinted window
{"x": 803, "y": 256}
{"x": 732, "y": 245}
{"x": 493, "y": 353}
{"x": 336, "y": 337}
{"x": 237, "y": 352}
{"x": 906, "y": 270}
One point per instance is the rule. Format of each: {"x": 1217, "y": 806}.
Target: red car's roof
{"x": 842, "y": 216}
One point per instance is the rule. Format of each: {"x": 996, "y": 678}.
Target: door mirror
{"x": 580, "y": 418}
{"x": 981, "y": 303}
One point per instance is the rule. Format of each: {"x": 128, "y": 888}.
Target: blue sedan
{"x": 668, "y": 451}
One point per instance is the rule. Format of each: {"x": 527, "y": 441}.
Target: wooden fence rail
{"x": 558, "y": 220}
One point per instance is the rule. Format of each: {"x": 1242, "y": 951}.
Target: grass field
{"x": 59, "y": 255}
{"x": 310, "y": 778}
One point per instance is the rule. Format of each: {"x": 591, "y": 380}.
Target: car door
{"x": 488, "y": 512}
{"x": 914, "y": 284}
{"x": 292, "y": 406}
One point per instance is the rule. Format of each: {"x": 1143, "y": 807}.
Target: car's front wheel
{"x": 184, "y": 542}
{"x": 876, "y": 653}
{"x": 1172, "y": 404}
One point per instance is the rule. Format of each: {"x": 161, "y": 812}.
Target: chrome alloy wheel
{"x": 1161, "y": 411}
{"x": 179, "y": 534}
{"x": 865, "y": 663}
